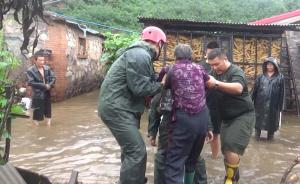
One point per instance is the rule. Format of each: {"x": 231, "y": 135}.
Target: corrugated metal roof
{"x": 83, "y": 27}
{"x": 277, "y": 18}
{"x": 187, "y": 24}
{"x": 77, "y": 25}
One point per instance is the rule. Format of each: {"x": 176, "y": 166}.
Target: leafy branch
{"x": 113, "y": 46}
{"x": 8, "y": 92}
{"x": 26, "y": 13}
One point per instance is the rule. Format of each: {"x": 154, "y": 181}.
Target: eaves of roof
{"x": 195, "y": 25}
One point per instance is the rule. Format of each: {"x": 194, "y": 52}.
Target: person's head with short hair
{"x": 183, "y": 52}
{"x": 218, "y": 60}
{"x": 211, "y": 45}
{"x": 39, "y": 53}
{"x": 39, "y": 57}
{"x": 43, "y": 52}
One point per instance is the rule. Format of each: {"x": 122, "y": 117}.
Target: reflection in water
{"x": 79, "y": 140}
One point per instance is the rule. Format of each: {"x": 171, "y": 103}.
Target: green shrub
{"x": 113, "y": 45}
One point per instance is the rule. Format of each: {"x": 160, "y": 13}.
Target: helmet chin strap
{"x": 158, "y": 54}
{"x": 160, "y": 45}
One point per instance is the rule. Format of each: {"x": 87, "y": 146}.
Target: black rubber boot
{"x": 200, "y": 172}
{"x": 270, "y": 136}
{"x": 257, "y": 134}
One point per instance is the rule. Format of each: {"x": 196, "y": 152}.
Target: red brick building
{"x": 75, "y": 50}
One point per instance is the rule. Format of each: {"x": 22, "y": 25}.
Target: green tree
{"x": 124, "y": 13}
{"x": 8, "y": 106}
{"x": 25, "y": 13}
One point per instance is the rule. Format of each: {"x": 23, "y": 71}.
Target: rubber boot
{"x": 145, "y": 180}
{"x": 270, "y": 136}
{"x": 200, "y": 172}
{"x": 257, "y": 134}
{"x": 232, "y": 173}
{"x": 189, "y": 177}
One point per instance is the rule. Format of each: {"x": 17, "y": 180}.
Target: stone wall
{"x": 82, "y": 74}
{"x": 14, "y": 38}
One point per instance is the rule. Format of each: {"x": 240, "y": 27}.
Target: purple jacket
{"x": 162, "y": 72}
{"x": 187, "y": 81}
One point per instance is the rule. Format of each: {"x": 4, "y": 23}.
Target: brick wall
{"x": 57, "y": 43}
{"x": 74, "y": 75}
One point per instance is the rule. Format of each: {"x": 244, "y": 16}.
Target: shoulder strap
{"x": 169, "y": 76}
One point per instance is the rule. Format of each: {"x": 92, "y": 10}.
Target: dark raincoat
{"x": 268, "y": 98}
{"x": 41, "y": 98}
{"x": 158, "y": 121}
{"x": 36, "y": 81}
{"x": 121, "y": 103}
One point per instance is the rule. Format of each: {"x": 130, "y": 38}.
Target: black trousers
{"x": 41, "y": 108}
{"x": 186, "y": 139}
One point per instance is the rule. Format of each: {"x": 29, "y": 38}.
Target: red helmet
{"x": 154, "y": 34}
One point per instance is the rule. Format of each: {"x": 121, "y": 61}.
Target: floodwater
{"x": 78, "y": 140}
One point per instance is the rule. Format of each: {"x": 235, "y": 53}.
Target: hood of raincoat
{"x": 273, "y": 61}
{"x": 143, "y": 44}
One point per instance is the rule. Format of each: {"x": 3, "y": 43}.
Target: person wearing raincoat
{"x": 122, "y": 101}
{"x": 41, "y": 79}
{"x": 268, "y": 98}
{"x": 158, "y": 120}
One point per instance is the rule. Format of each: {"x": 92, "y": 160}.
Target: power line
{"x": 93, "y": 23}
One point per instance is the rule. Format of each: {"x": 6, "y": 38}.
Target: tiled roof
{"x": 277, "y": 18}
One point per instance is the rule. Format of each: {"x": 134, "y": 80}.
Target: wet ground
{"x": 78, "y": 140}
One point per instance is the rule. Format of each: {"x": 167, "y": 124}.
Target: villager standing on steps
{"x": 41, "y": 79}
{"x": 268, "y": 98}
{"x": 236, "y": 111}
{"x": 122, "y": 100}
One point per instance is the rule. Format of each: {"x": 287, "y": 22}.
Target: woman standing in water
{"x": 268, "y": 97}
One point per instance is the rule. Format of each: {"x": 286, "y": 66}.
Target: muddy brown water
{"x": 78, "y": 140}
